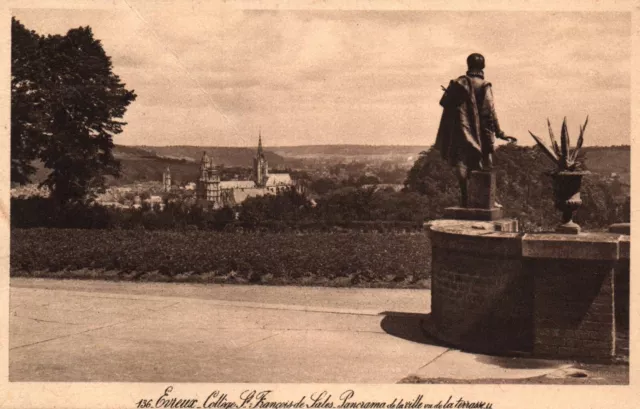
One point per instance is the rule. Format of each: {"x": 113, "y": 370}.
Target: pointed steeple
{"x": 260, "y": 153}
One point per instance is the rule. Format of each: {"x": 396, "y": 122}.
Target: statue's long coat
{"x": 469, "y": 123}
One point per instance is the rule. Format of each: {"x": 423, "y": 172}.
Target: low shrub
{"x": 305, "y": 258}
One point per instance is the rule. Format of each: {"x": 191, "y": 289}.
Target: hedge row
{"x": 37, "y": 212}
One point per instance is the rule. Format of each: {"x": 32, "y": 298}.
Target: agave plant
{"x": 562, "y": 156}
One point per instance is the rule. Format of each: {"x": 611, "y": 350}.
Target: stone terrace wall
{"x": 621, "y": 297}
{"x": 481, "y": 296}
{"x": 549, "y": 295}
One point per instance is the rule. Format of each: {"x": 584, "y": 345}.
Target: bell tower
{"x": 166, "y": 180}
{"x": 208, "y": 190}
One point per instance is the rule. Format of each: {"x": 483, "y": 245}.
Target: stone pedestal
{"x": 482, "y": 199}
{"x": 480, "y": 298}
{"x": 482, "y": 189}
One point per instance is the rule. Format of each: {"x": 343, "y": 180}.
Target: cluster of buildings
{"x": 211, "y": 192}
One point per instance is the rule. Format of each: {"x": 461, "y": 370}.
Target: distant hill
{"x": 226, "y": 156}
{"x": 146, "y": 163}
{"x": 307, "y": 151}
{"x": 151, "y": 169}
{"x": 608, "y": 160}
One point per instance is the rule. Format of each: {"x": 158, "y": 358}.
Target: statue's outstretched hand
{"x": 504, "y": 137}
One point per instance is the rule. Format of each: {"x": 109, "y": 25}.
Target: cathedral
{"x": 212, "y": 192}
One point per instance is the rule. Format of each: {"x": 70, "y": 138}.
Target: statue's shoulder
{"x": 468, "y": 83}
{"x": 474, "y": 82}
{"x": 462, "y": 81}
{"x": 455, "y": 93}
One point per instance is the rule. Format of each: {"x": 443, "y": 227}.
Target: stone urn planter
{"x": 566, "y": 194}
{"x": 567, "y": 178}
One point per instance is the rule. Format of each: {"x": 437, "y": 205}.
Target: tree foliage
{"x": 67, "y": 104}
{"x": 523, "y": 188}
{"x": 27, "y": 102}
{"x": 286, "y": 205}
{"x": 432, "y": 177}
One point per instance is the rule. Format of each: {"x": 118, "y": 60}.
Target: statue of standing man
{"x": 469, "y": 125}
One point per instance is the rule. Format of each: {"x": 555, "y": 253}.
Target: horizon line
{"x": 334, "y": 144}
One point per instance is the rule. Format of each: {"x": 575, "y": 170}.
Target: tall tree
{"x": 27, "y": 111}
{"x": 433, "y": 177}
{"x": 67, "y": 106}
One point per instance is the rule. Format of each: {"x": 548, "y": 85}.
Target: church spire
{"x": 259, "y": 142}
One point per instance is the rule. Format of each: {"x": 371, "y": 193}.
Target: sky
{"x": 216, "y": 77}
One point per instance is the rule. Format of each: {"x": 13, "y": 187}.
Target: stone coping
{"x": 470, "y": 227}
{"x": 482, "y": 235}
{"x": 621, "y": 228}
{"x": 582, "y": 246}
{"x": 625, "y": 247}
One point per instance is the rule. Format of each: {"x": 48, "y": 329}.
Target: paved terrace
{"x": 153, "y": 332}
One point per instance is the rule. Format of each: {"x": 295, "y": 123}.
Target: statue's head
{"x": 475, "y": 62}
